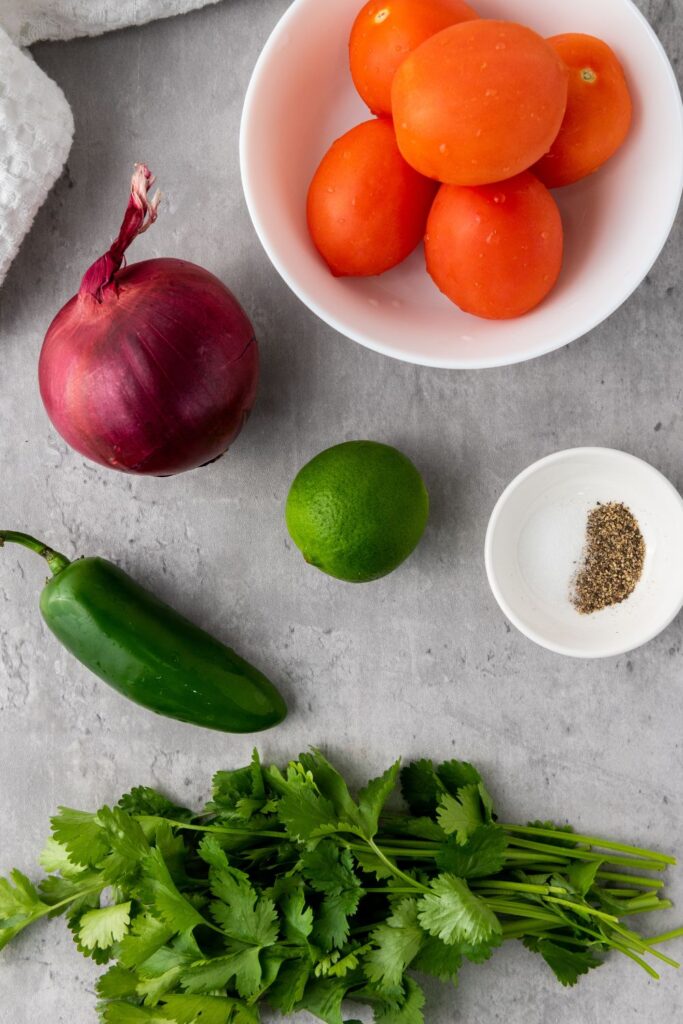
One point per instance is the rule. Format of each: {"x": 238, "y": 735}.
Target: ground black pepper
{"x": 612, "y": 561}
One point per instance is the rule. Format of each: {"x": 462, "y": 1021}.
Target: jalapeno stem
{"x": 55, "y": 561}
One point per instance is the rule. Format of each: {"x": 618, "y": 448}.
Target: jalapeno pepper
{"x": 146, "y": 650}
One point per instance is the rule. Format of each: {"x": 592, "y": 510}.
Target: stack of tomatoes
{"x": 475, "y": 121}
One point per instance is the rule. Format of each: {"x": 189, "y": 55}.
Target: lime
{"x": 356, "y": 511}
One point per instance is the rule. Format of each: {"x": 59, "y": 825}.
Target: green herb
{"x": 289, "y": 893}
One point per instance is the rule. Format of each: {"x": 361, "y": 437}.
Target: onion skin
{"x": 149, "y": 369}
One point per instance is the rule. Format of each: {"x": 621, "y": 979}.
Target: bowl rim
{"x": 562, "y": 337}
{"x": 610, "y": 650}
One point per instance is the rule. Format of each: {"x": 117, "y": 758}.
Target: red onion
{"x": 150, "y": 368}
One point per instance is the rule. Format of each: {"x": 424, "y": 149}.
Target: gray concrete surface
{"x": 419, "y": 663}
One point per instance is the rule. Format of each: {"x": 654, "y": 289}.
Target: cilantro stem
{"x": 583, "y": 908}
{"x": 677, "y": 933}
{"x": 659, "y": 905}
{"x": 604, "y": 844}
{"x": 633, "y": 956}
{"x": 619, "y": 893}
{"x": 649, "y": 883}
{"x": 512, "y": 909}
{"x": 635, "y": 942}
{"x": 415, "y": 853}
{"x": 542, "y": 890}
{"x": 531, "y": 926}
{"x": 646, "y": 865}
{"x": 391, "y": 890}
{"x": 396, "y": 870}
{"x": 218, "y": 829}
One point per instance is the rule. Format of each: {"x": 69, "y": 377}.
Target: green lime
{"x": 356, "y": 511}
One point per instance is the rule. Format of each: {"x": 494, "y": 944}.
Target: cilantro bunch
{"x": 287, "y": 891}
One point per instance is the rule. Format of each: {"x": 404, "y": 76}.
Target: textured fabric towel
{"x": 36, "y": 125}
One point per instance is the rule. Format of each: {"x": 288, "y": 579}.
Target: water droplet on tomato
{"x": 382, "y": 15}
{"x": 491, "y": 92}
{"x": 499, "y": 197}
{"x": 501, "y": 46}
{"x": 443, "y": 148}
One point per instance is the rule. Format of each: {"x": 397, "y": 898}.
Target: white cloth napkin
{"x": 36, "y": 125}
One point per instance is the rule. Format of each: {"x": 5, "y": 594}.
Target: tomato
{"x": 479, "y": 102}
{"x": 599, "y": 111}
{"x": 495, "y": 250}
{"x": 367, "y": 209}
{"x": 385, "y": 32}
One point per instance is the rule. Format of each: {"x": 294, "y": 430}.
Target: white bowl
{"x": 535, "y": 539}
{"x": 301, "y": 98}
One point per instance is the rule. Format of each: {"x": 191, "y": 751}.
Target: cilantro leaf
{"x": 438, "y": 960}
{"x": 396, "y": 944}
{"x": 461, "y": 815}
{"x": 456, "y": 774}
{"x": 288, "y": 988}
{"x": 373, "y": 797}
{"x": 239, "y": 794}
{"x": 126, "y": 841}
{"x": 341, "y": 967}
{"x": 126, "y": 1013}
{"x": 55, "y": 858}
{"x": 82, "y": 835}
{"x": 20, "y": 905}
{"x": 329, "y": 869}
{"x": 331, "y": 928}
{"x": 581, "y": 874}
{"x": 567, "y": 964}
{"x": 239, "y": 910}
{"x": 483, "y": 853}
{"x": 147, "y": 934}
{"x": 419, "y": 828}
{"x": 453, "y": 913}
{"x": 207, "y": 976}
{"x": 117, "y": 983}
{"x": 408, "y": 1011}
{"x": 301, "y": 808}
{"x": 297, "y": 917}
{"x": 186, "y": 1009}
{"x": 160, "y": 893}
{"x": 162, "y": 971}
{"x": 331, "y": 785}
{"x": 323, "y": 998}
{"x": 371, "y": 864}
{"x": 146, "y": 802}
{"x": 480, "y": 952}
{"x": 100, "y": 929}
{"x": 421, "y": 787}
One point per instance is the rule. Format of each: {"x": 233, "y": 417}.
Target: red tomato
{"x": 495, "y": 250}
{"x": 479, "y": 102}
{"x": 383, "y": 35}
{"x": 599, "y": 111}
{"x": 367, "y": 209}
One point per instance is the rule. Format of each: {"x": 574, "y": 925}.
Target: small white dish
{"x": 301, "y": 97}
{"x": 535, "y": 539}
